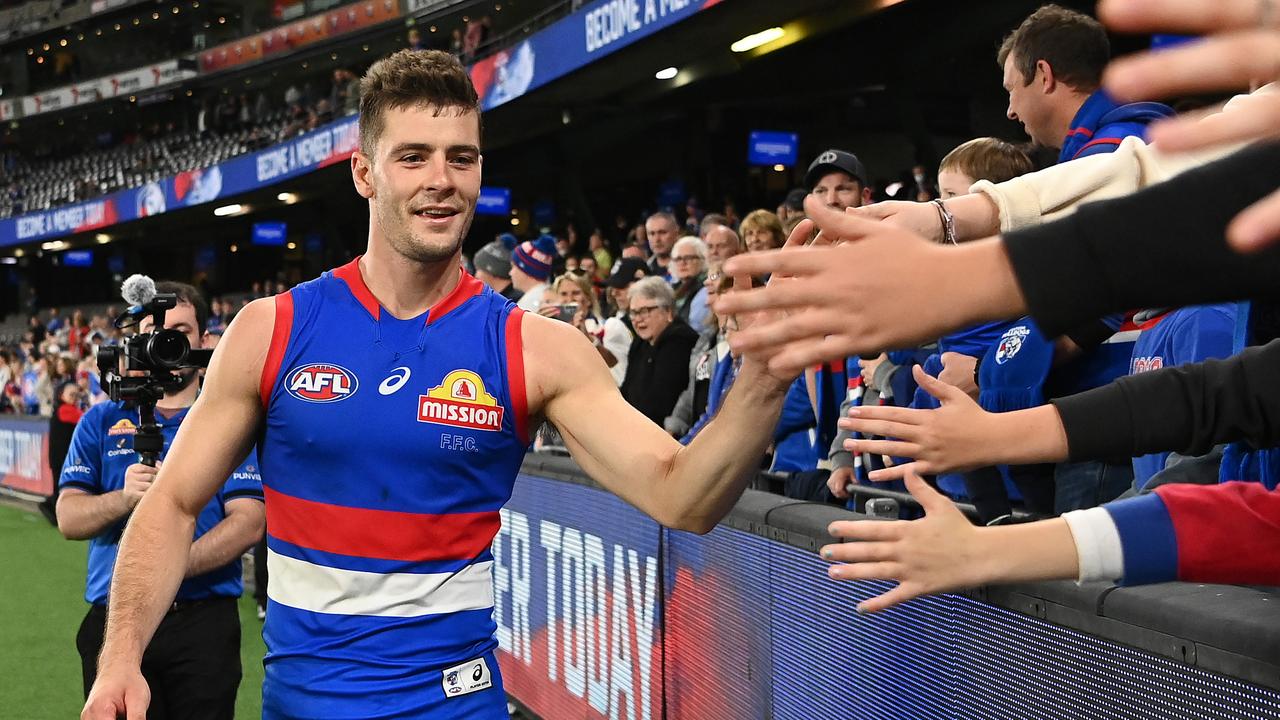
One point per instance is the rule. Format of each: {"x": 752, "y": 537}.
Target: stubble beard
{"x": 405, "y": 243}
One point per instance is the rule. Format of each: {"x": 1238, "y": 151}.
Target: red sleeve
{"x": 1228, "y": 533}
{"x": 69, "y": 414}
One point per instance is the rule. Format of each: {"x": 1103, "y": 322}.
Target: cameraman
{"x": 193, "y": 661}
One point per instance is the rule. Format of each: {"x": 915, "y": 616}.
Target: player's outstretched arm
{"x": 215, "y": 436}
{"x": 943, "y": 551}
{"x": 689, "y": 488}
{"x": 685, "y": 487}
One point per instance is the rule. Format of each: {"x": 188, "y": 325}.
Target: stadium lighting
{"x": 292, "y": 246}
{"x": 751, "y": 42}
{"x": 19, "y": 252}
{"x": 102, "y": 238}
{"x": 53, "y": 245}
{"x": 515, "y": 221}
{"x": 666, "y": 73}
{"x": 233, "y": 247}
{"x": 779, "y": 168}
{"x": 226, "y": 210}
{"x": 8, "y": 261}
{"x": 287, "y": 198}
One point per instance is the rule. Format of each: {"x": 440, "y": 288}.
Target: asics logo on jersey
{"x": 461, "y": 401}
{"x": 394, "y": 381}
{"x": 322, "y": 383}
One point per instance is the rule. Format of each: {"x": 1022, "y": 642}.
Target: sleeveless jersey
{"x": 388, "y": 448}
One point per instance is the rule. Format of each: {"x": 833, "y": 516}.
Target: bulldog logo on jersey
{"x": 461, "y": 401}
{"x": 322, "y": 383}
{"x": 1011, "y": 343}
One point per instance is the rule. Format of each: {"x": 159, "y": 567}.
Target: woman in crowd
{"x": 688, "y": 271}
{"x": 762, "y": 230}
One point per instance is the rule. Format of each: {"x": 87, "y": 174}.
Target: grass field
{"x": 41, "y": 606}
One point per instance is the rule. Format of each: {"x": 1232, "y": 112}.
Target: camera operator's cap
{"x": 494, "y": 259}
{"x": 534, "y": 257}
{"x": 832, "y": 161}
{"x": 627, "y": 271}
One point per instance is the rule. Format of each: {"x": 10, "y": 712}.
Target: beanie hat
{"x": 495, "y": 259}
{"x": 534, "y": 257}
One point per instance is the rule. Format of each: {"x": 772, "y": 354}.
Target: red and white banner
{"x": 121, "y": 84}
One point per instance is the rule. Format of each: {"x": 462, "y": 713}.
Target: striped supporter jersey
{"x": 389, "y": 447}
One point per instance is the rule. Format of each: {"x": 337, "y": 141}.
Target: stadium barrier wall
{"x": 604, "y": 614}
{"x": 24, "y": 454}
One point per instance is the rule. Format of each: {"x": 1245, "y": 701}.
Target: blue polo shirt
{"x": 101, "y": 450}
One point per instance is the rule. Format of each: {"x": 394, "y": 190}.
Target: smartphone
{"x": 567, "y": 312}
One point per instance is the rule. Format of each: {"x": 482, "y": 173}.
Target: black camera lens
{"x": 168, "y": 348}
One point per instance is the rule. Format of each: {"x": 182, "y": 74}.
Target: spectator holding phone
{"x": 577, "y": 305}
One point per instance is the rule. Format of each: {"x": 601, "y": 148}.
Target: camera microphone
{"x": 138, "y": 290}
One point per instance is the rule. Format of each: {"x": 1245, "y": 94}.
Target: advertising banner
{"x": 577, "y": 601}
{"x": 24, "y": 455}
{"x": 120, "y": 84}
{"x": 320, "y": 148}
{"x": 598, "y": 29}
{"x": 338, "y": 21}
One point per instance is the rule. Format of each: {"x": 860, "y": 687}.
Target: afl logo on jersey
{"x": 461, "y": 401}
{"x": 322, "y": 383}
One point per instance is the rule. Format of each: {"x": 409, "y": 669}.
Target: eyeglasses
{"x": 686, "y": 258}
{"x": 636, "y": 313}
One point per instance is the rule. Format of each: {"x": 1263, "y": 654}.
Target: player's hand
{"x": 740, "y": 322}
{"x": 838, "y": 482}
{"x": 919, "y": 218}
{"x": 959, "y": 435}
{"x": 934, "y": 554}
{"x": 137, "y": 480}
{"x": 117, "y": 694}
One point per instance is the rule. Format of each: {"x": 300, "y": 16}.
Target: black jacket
{"x": 1161, "y": 247}
{"x": 658, "y": 373}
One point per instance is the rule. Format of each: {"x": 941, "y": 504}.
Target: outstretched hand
{"x": 959, "y": 435}
{"x": 875, "y": 287}
{"x": 753, "y": 319}
{"x": 1240, "y": 47}
{"x": 934, "y": 554}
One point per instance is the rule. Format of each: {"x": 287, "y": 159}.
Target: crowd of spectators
{"x": 223, "y": 125}
{"x": 670, "y": 354}
{"x": 644, "y": 295}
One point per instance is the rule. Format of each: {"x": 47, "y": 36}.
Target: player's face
{"x": 424, "y": 181}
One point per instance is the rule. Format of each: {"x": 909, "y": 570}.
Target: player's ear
{"x": 361, "y": 169}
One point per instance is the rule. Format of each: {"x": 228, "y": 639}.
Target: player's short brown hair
{"x": 1074, "y": 44}
{"x": 988, "y": 158}
{"x": 413, "y": 78}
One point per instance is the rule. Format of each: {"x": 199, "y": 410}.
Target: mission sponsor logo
{"x": 322, "y": 383}
{"x": 461, "y": 401}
